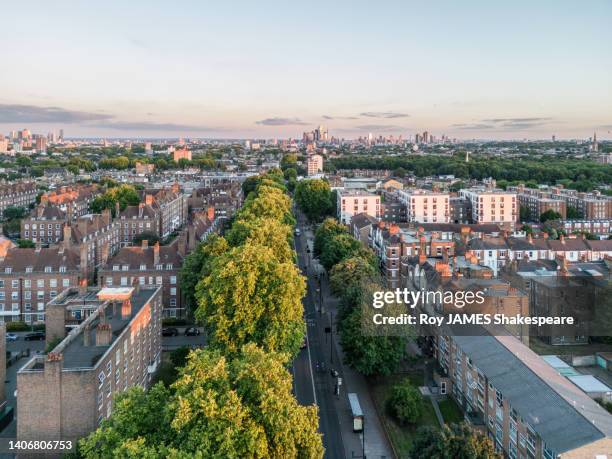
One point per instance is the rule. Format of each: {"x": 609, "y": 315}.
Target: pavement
{"x": 336, "y": 421}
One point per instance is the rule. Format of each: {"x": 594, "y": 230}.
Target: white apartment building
{"x": 314, "y": 164}
{"x": 426, "y": 206}
{"x": 353, "y": 202}
{"x": 492, "y": 206}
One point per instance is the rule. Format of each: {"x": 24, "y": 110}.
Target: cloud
{"x": 152, "y": 126}
{"x": 504, "y": 124}
{"x": 281, "y": 122}
{"x": 14, "y": 113}
{"x": 387, "y": 115}
{"x": 379, "y": 127}
{"x": 327, "y": 117}
{"x": 473, "y": 126}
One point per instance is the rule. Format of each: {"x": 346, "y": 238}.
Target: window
{"x": 158, "y": 280}
{"x": 173, "y": 291}
{"x": 27, "y": 283}
{"x": 143, "y": 267}
{"x": 40, "y": 295}
{"x": 124, "y": 281}
{"x": 65, "y": 282}
{"x": 48, "y": 269}
{"x": 109, "y": 281}
{"x": 62, "y": 269}
{"x": 52, "y": 283}
{"x": 40, "y": 283}
{"x": 1, "y": 283}
{"x": 173, "y": 280}
{"x": 15, "y": 283}
{"x": 101, "y": 378}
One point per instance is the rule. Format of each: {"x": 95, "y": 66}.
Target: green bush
{"x": 17, "y": 326}
{"x": 405, "y": 403}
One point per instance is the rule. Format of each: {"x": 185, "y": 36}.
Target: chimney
{"x": 422, "y": 251}
{"x": 445, "y": 255}
{"x": 181, "y": 240}
{"x": 104, "y": 334}
{"x": 545, "y": 235}
{"x": 156, "y": 254}
{"x": 529, "y": 238}
{"x": 149, "y": 199}
{"x": 176, "y": 188}
{"x": 39, "y": 211}
{"x": 126, "y": 309}
{"x": 140, "y": 209}
{"x": 562, "y": 238}
{"x": 210, "y": 213}
{"x": 83, "y": 287}
{"x": 393, "y": 229}
{"x": 55, "y": 321}
{"x": 67, "y": 235}
{"x": 87, "y": 335}
{"x": 83, "y": 262}
{"x": 117, "y": 209}
{"x": 144, "y": 244}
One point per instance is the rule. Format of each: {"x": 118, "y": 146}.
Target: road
{"x": 310, "y": 385}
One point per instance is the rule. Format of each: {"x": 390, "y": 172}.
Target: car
{"x": 12, "y": 337}
{"x": 36, "y": 336}
{"x": 297, "y": 232}
{"x": 192, "y": 331}
{"x": 169, "y": 331}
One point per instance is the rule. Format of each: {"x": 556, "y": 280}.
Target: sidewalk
{"x": 376, "y": 443}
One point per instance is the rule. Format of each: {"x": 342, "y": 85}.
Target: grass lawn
{"x": 450, "y": 411}
{"x": 401, "y": 436}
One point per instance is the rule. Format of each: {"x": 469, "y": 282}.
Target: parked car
{"x": 304, "y": 343}
{"x": 170, "y": 331}
{"x": 297, "y": 232}
{"x": 192, "y": 331}
{"x": 36, "y": 336}
{"x": 12, "y": 337}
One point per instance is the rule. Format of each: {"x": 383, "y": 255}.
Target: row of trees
{"x": 581, "y": 175}
{"x": 354, "y": 276}
{"x": 234, "y": 398}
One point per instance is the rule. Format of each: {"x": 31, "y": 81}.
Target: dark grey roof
{"x": 562, "y": 415}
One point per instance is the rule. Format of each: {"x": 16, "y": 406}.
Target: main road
{"x": 312, "y": 385}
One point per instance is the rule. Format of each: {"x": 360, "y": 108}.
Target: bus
{"x": 356, "y": 412}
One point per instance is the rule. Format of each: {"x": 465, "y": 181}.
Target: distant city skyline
{"x": 273, "y": 69}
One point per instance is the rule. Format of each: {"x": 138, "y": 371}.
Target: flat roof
{"x": 77, "y": 355}
{"x": 589, "y": 383}
{"x": 543, "y": 398}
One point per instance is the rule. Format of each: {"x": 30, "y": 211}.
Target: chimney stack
{"x": 140, "y": 209}
{"x": 87, "y": 335}
{"x": 67, "y": 235}
{"x": 126, "y": 309}
{"x": 104, "y": 334}
{"x": 83, "y": 287}
{"x": 117, "y": 209}
{"x": 156, "y": 254}
{"x": 149, "y": 199}
{"x": 144, "y": 244}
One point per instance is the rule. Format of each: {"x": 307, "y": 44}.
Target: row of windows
{"x": 40, "y": 283}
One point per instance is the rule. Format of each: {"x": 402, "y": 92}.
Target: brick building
{"x": 66, "y": 393}
{"x": 17, "y": 194}
{"x": 44, "y": 225}
{"x": 30, "y": 278}
{"x": 74, "y": 201}
{"x": 149, "y": 266}
{"x": 136, "y": 220}
{"x": 172, "y": 207}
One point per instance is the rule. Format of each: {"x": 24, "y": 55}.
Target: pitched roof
{"x": 19, "y": 259}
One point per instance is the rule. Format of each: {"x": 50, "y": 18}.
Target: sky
{"x": 265, "y": 69}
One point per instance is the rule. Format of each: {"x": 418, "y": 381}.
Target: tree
{"x": 251, "y": 296}
{"x": 267, "y": 202}
{"x": 549, "y": 215}
{"x": 12, "y": 213}
{"x": 289, "y": 161}
{"x": 573, "y": 213}
{"x": 454, "y": 441}
{"x": 524, "y": 213}
{"x": 267, "y": 232}
{"x": 325, "y": 232}
{"x": 290, "y": 174}
{"x": 314, "y": 198}
{"x": 527, "y": 228}
{"x": 148, "y": 236}
{"x": 125, "y": 195}
{"x": 196, "y": 265}
{"x": 350, "y": 273}
{"x": 369, "y": 355}
{"x": 25, "y": 244}
{"x": 218, "y": 408}
{"x": 338, "y": 248}
{"x": 405, "y": 402}
{"x": 399, "y": 172}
